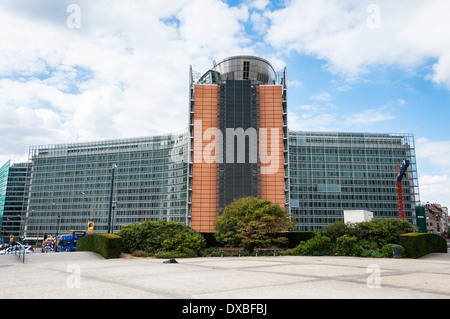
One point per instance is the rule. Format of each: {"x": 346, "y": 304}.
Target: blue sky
{"x": 80, "y": 70}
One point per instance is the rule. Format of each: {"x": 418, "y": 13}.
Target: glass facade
{"x": 333, "y": 172}
{"x": 70, "y": 184}
{"x": 4, "y": 171}
{"x": 238, "y": 109}
{"x": 14, "y": 200}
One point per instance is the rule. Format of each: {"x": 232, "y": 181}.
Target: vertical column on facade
{"x": 271, "y": 117}
{"x": 204, "y": 172}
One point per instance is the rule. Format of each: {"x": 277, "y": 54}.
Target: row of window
{"x": 343, "y": 159}
{"x": 348, "y": 151}
{"x": 339, "y": 166}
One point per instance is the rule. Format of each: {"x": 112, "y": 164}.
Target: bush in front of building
{"x": 107, "y": 245}
{"x": 420, "y": 244}
{"x": 154, "y": 237}
{"x": 348, "y": 246}
{"x": 365, "y": 239}
{"x": 250, "y": 222}
{"x": 383, "y": 231}
{"x": 373, "y": 234}
{"x": 319, "y": 245}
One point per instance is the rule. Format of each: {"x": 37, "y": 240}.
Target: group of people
{"x": 48, "y": 244}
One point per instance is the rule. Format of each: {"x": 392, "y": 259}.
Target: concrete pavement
{"x": 88, "y": 275}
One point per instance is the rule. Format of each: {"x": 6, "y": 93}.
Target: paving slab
{"x": 85, "y": 275}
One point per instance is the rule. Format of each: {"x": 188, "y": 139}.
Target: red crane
{"x": 401, "y": 171}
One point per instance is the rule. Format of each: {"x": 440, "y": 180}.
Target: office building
{"x": 238, "y": 124}
{"x": 4, "y": 170}
{"x": 236, "y": 144}
{"x": 12, "y": 191}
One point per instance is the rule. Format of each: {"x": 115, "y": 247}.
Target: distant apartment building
{"x": 436, "y": 218}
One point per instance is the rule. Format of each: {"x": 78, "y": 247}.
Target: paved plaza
{"x": 87, "y": 275}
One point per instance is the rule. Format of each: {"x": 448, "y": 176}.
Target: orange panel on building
{"x": 271, "y": 117}
{"x": 204, "y": 174}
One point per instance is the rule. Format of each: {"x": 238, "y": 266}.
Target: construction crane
{"x": 401, "y": 171}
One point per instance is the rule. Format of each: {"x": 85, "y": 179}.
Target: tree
{"x": 250, "y": 222}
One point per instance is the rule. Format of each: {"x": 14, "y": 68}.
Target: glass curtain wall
{"x": 70, "y": 184}
{"x": 333, "y": 172}
{"x": 4, "y": 170}
{"x": 14, "y": 200}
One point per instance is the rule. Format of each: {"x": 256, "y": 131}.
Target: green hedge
{"x": 161, "y": 235}
{"x": 107, "y": 245}
{"x": 420, "y": 244}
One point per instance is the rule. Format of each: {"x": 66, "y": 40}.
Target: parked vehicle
{"x": 68, "y": 241}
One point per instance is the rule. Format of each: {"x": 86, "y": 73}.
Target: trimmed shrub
{"x": 420, "y": 244}
{"x": 161, "y": 235}
{"x": 107, "y": 245}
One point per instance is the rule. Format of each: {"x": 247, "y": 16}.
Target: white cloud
{"x": 344, "y": 34}
{"x": 259, "y": 4}
{"x": 124, "y": 73}
{"x": 435, "y": 189}
{"x": 312, "y": 121}
{"x": 260, "y": 22}
{"x": 213, "y": 27}
{"x": 368, "y": 117}
{"x": 322, "y": 97}
{"x": 434, "y": 186}
{"x": 436, "y": 152}
{"x": 441, "y": 69}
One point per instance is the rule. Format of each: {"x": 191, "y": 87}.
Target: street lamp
{"x": 114, "y": 205}
{"x": 110, "y": 198}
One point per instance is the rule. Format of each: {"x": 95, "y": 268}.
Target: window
{"x": 246, "y": 70}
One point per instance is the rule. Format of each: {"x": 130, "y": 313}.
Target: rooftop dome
{"x": 242, "y": 67}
